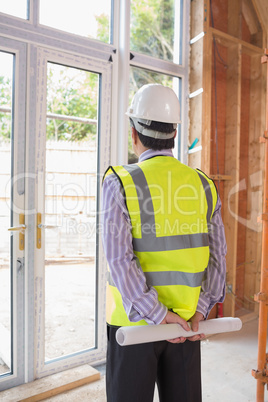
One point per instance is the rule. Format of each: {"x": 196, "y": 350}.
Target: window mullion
{"x": 185, "y": 84}
{"x": 33, "y": 12}
{"x": 123, "y": 80}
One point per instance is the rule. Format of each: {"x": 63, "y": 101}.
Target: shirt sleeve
{"x": 140, "y": 300}
{"x": 213, "y": 284}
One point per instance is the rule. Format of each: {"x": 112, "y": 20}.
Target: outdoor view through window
{"x": 70, "y": 210}
{"x": 6, "y": 237}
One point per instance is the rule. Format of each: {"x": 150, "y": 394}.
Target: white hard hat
{"x": 155, "y": 102}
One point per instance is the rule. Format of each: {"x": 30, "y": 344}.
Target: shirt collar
{"x": 150, "y": 153}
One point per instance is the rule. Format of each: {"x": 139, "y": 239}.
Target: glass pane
{"x": 80, "y": 17}
{"x": 17, "y": 8}
{"x": 140, "y": 77}
{"x": 6, "y": 83}
{"x": 156, "y": 28}
{"x": 70, "y": 210}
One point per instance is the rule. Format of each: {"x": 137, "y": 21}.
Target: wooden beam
{"x": 197, "y": 17}
{"x": 206, "y": 96}
{"x": 243, "y": 179}
{"x": 256, "y": 164}
{"x": 220, "y": 177}
{"x": 263, "y": 309}
{"x": 232, "y": 153}
{"x": 51, "y": 385}
{"x": 196, "y": 79}
{"x": 227, "y": 40}
{"x": 250, "y": 16}
{"x": 234, "y": 18}
{"x": 261, "y": 8}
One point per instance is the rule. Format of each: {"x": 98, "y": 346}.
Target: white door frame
{"x": 43, "y": 56}
{"x": 18, "y": 49}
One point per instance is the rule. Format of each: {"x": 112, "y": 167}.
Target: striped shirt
{"x": 139, "y": 299}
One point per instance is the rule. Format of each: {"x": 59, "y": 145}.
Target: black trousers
{"x": 132, "y": 371}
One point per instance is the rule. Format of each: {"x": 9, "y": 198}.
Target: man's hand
{"x": 172, "y": 318}
{"x": 196, "y": 318}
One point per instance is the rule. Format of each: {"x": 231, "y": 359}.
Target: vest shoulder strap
{"x": 210, "y": 191}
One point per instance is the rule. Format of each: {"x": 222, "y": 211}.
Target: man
{"x": 165, "y": 245}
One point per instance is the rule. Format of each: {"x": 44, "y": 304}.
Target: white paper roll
{"x": 152, "y": 333}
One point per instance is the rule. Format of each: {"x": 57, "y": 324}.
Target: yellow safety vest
{"x": 170, "y": 206}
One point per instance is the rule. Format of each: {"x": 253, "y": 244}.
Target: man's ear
{"x": 175, "y": 135}
{"x": 134, "y": 135}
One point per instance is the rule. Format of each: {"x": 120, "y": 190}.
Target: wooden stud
{"x": 232, "y": 168}
{"x": 243, "y": 178}
{"x": 262, "y": 329}
{"x": 195, "y": 78}
{"x": 206, "y": 98}
{"x": 217, "y": 145}
{"x": 194, "y": 160}
{"x": 234, "y": 15}
{"x": 256, "y": 163}
{"x": 199, "y": 14}
{"x": 220, "y": 177}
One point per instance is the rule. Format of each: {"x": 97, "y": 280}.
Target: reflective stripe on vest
{"x": 170, "y": 278}
{"x": 208, "y": 195}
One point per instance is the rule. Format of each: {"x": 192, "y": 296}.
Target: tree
{"x": 103, "y": 27}
{"x": 71, "y": 92}
{"x": 152, "y": 27}
{"x": 6, "y": 98}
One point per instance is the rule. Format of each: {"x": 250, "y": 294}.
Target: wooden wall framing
{"x": 228, "y": 118}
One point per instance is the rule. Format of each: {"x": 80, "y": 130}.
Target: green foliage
{"x": 71, "y": 92}
{"x": 103, "y": 27}
{"x": 5, "y": 101}
{"x": 140, "y": 77}
{"x": 152, "y": 27}
{"x": 152, "y": 33}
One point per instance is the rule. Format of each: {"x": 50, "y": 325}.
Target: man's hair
{"x": 156, "y": 143}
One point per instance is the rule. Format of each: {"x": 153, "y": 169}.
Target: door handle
{"x": 21, "y": 228}
{"x": 42, "y": 226}
{"x": 38, "y": 230}
{"x": 39, "y": 227}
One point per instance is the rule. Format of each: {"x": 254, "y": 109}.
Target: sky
{"x": 78, "y": 17}
{"x": 75, "y": 16}
{"x": 17, "y": 8}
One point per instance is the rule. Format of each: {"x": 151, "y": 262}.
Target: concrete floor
{"x": 227, "y": 361}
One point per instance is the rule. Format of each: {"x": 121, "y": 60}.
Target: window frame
{"x": 119, "y": 52}
{"x": 38, "y": 119}
{"x": 127, "y": 58}
{"x": 17, "y": 277}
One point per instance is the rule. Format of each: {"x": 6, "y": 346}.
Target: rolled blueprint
{"x": 152, "y": 333}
